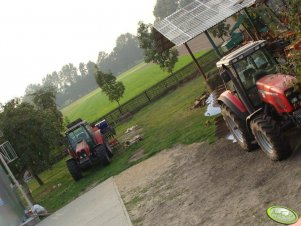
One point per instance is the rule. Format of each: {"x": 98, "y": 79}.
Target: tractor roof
{"x": 73, "y": 125}
{"x": 240, "y": 53}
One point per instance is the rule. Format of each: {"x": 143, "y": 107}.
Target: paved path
{"x": 100, "y": 206}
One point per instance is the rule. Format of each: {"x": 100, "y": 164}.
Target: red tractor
{"x": 86, "y": 146}
{"x": 259, "y": 103}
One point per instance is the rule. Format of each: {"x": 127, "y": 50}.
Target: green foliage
{"x": 113, "y": 89}
{"x": 165, "y": 123}
{"x": 33, "y": 133}
{"x": 220, "y": 30}
{"x": 165, "y": 59}
{"x": 291, "y": 16}
{"x": 164, "y": 8}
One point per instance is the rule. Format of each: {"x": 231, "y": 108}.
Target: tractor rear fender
{"x": 98, "y": 137}
{"x": 234, "y": 103}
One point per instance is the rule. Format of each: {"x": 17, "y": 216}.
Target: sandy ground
{"x": 217, "y": 184}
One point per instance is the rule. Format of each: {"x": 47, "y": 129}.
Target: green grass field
{"x": 165, "y": 122}
{"x": 94, "y": 105}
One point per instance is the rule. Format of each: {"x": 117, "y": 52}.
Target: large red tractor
{"x": 259, "y": 103}
{"x": 86, "y": 146}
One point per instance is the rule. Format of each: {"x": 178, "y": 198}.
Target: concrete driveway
{"x": 100, "y": 206}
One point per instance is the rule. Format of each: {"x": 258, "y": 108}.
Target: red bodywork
{"x": 82, "y": 147}
{"x": 272, "y": 91}
{"x": 98, "y": 137}
{"x": 234, "y": 99}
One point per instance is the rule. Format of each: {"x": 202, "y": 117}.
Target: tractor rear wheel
{"x": 74, "y": 169}
{"x": 109, "y": 149}
{"x": 269, "y": 137}
{"x": 102, "y": 154}
{"x": 238, "y": 128}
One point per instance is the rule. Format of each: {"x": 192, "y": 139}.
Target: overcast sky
{"x": 40, "y": 36}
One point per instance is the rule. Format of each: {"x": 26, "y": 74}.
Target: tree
{"x": 164, "y": 8}
{"x": 220, "y": 30}
{"x": 44, "y": 100}
{"x": 165, "y": 59}
{"x": 125, "y": 55}
{"x": 33, "y": 133}
{"x": 110, "y": 86}
{"x": 82, "y": 69}
{"x": 292, "y": 18}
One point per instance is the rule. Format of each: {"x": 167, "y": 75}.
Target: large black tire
{"x": 109, "y": 149}
{"x": 238, "y": 128}
{"x": 269, "y": 137}
{"x": 74, "y": 169}
{"x": 102, "y": 154}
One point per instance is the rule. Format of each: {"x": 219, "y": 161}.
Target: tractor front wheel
{"x": 238, "y": 128}
{"x": 74, "y": 169}
{"x": 102, "y": 154}
{"x": 269, "y": 137}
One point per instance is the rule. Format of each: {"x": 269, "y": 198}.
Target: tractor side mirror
{"x": 225, "y": 75}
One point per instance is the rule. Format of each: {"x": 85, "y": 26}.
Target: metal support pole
{"x": 251, "y": 21}
{"x": 15, "y": 181}
{"x": 195, "y": 61}
{"x": 213, "y": 44}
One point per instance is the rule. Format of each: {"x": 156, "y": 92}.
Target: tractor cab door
{"x": 251, "y": 69}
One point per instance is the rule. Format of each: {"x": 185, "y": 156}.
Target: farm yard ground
{"x": 210, "y": 184}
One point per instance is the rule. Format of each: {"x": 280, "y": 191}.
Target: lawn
{"x": 165, "y": 123}
{"x": 95, "y": 104}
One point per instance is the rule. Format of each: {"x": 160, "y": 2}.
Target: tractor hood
{"x": 274, "y": 90}
{"x": 277, "y": 83}
{"x": 82, "y": 146}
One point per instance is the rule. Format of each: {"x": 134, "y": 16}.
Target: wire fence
{"x": 187, "y": 73}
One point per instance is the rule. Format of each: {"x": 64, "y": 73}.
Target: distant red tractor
{"x": 86, "y": 146}
{"x": 259, "y": 103}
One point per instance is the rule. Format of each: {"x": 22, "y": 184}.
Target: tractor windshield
{"x": 252, "y": 68}
{"x": 78, "y": 135}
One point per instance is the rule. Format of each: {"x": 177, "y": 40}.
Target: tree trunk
{"x": 25, "y": 187}
{"x": 119, "y": 107}
{"x": 38, "y": 179}
{"x": 27, "y": 191}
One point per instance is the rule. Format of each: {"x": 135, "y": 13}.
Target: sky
{"x": 39, "y": 37}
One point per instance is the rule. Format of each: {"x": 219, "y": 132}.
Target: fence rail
{"x": 207, "y": 62}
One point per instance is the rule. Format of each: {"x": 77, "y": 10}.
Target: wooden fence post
{"x": 149, "y": 99}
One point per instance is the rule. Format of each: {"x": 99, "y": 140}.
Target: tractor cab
{"x": 78, "y": 132}
{"x": 244, "y": 67}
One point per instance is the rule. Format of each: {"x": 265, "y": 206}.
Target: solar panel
{"x": 197, "y": 17}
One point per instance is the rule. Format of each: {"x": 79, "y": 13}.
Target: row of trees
{"x": 124, "y": 56}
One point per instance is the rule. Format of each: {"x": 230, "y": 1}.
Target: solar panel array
{"x": 197, "y": 17}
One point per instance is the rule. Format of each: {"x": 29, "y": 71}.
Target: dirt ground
{"x": 217, "y": 184}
